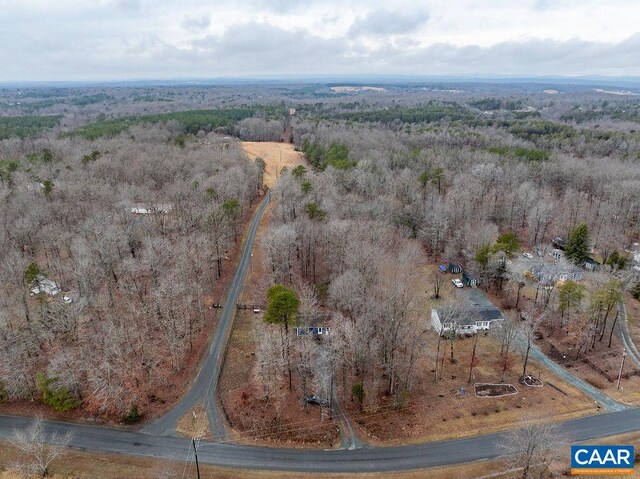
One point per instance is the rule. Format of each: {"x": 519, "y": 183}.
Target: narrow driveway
{"x": 604, "y": 400}
{"x": 348, "y": 437}
{"x": 204, "y": 389}
{"x": 477, "y": 297}
{"x": 625, "y": 336}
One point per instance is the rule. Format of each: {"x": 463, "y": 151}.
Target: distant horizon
{"x": 355, "y": 79}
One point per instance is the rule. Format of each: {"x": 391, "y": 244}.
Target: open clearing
{"x": 437, "y": 411}
{"x": 276, "y": 156}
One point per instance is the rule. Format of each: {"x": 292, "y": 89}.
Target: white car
{"x": 527, "y": 255}
{"x": 457, "y": 283}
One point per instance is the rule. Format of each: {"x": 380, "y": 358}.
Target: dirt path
{"x": 349, "y": 439}
{"x": 276, "y": 156}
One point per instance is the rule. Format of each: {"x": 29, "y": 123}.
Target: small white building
{"x": 141, "y": 209}
{"x": 313, "y": 331}
{"x": 44, "y": 286}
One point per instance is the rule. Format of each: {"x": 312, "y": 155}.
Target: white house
{"x": 464, "y": 320}
{"x": 45, "y": 286}
{"x": 552, "y": 273}
{"x": 142, "y": 209}
{"x": 313, "y": 331}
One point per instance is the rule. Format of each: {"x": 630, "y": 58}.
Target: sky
{"x": 74, "y": 40}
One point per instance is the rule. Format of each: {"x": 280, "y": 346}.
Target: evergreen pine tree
{"x": 577, "y": 249}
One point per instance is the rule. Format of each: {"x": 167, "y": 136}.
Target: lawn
{"x": 438, "y": 410}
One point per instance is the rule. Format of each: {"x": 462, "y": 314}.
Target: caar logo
{"x": 602, "y": 459}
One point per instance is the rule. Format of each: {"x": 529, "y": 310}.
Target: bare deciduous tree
{"x": 38, "y": 448}
{"x": 533, "y": 447}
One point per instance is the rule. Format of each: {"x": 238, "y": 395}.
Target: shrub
{"x": 58, "y": 398}
{"x": 31, "y": 273}
{"x": 133, "y": 416}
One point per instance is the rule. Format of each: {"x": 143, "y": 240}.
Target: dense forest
{"x": 129, "y": 199}
{"x": 129, "y": 229}
{"x": 346, "y": 225}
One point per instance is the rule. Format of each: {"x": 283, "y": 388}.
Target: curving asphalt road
{"x": 300, "y": 460}
{"x": 204, "y": 388}
{"x": 159, "y": 440}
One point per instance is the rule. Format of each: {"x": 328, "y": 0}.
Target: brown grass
{"x": 194, "y": 424}
{"x": 435, "y": 411}
{"x": 276, "y": 156}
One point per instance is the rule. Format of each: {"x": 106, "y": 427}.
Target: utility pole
{"x": 195, "y": 453}
{"x": 624, "y": 355}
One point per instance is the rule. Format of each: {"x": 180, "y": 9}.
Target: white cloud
{"x": 196, "y": 24}
{"x": 385, "y": 22}
{"x": 107, "y": 39}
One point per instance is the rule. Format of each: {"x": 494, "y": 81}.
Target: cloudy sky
{"x": 169, "y": 39}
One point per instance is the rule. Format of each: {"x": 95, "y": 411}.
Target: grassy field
{"x": 276, "y": 156}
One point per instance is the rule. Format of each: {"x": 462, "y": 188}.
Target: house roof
{"x": 469, "y": 315}
{"x": 46, "y": 286}
{"x": 143, "y": 209}
{"x": 555, "y": 269}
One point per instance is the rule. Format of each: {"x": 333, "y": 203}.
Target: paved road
{"x": 344, "y": 460}
{"x": 204, "y": 389}
{"x": 625, "y": 336}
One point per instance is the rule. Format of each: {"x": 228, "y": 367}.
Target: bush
{"x": 31, "y": 273}
{"x": 59, "y": 398}
{"x": 133, "y": 416}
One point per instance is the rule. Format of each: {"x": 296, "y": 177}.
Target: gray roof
{"x": 469, "y": 315}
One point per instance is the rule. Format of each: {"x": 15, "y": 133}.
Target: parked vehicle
{"x": 316, "y": 400}
{"x": 527, "y": 255}
{"x": 457, "y": 283}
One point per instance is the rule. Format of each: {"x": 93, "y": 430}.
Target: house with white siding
{"x": 464, "y": 320}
